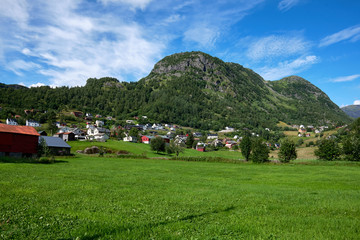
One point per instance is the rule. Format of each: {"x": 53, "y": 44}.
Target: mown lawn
{"x": 111, "y": 198}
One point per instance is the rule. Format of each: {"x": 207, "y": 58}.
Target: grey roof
{"x": 55, "y": 142}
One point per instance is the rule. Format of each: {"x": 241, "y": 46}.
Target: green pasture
{"x": 144, "y": 149}
{"x": 86, "y": 197}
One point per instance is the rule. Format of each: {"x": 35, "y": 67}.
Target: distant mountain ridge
{"x": 352, "y": 110}
{"x": 193, "y": 89}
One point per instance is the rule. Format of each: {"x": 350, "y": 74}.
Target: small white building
{"x": 99, "y": 123}
{"x": 32, "y": 123}
{"x": 10, "y": 121}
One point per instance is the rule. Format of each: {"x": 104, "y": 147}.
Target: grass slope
{"x": 144, "y": 149}
{"x": 107, "y": 198}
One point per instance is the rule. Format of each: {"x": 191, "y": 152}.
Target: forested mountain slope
{"x": 191, "y": 89}
{"x": 352, "y": 110}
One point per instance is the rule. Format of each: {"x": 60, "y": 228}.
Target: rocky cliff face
{"x": 184, "y": 62}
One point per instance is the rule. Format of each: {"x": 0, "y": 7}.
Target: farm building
{"x": 18, "y": 141}
{"x": 56, "y": 145}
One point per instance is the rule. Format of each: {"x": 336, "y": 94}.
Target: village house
{"x": 56, "y": 145}
{"x": 200, "y": 146}
{"x": 98, "y": 134}
{"x": 18, "y": 141}
{"x": 10, "y": 121}
{"x": 129, "y": 138}
{"x": 42, "y": 133}
{"x": 146, "y": 139}
{"x": 66, "y": 136}
{"x": 230, "y": 143}
{"x": 99, "y": 123}
{"x": 211, "y": 136}
{"x": 217, "y": 143}
{"x": 77, "y": 114}
{"x": 32, "y": 123}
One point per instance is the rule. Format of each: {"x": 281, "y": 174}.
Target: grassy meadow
{"x": 144, "y": 149}
{"x": 91, "y": 197}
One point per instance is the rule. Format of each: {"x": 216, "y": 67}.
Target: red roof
{"x": 18, "y": 129}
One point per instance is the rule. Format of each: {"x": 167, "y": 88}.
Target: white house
{"x": 212, "y": 136}
{"x": 99, "y": 123}
{"x": 99, "y": 134}
{"x": 10, "y": 121}
{"x": 130, "y": 139}
{"x": 32, "y": 123}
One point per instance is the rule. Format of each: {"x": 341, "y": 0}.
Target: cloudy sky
{"x": 65, "y": 42}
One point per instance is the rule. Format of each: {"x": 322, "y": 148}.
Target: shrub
{"x": 327, "y": 150}
{"x": 287, "y": 151}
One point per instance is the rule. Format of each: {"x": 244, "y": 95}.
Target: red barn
{"x": 18, "y": 141}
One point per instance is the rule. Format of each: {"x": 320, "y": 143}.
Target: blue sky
{"x": 65, "y": 42}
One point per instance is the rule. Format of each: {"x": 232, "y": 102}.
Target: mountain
{"x": 15, "y": 86}
{"x": 352, "y": 110}
{"x": 191, "y": 89}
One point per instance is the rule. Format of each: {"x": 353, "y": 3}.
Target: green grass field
{"x": 144, "y": 149}
{"x": 111, "y": 198}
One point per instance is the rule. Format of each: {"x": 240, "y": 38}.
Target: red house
{"x": 146, "y": 139}
{"x": 18, "y": 141}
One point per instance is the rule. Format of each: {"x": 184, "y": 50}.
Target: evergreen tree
{"x": 190, "y": 140}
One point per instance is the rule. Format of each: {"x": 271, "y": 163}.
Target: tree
{"x": 157, "y": 144}
{"x": 328, "y": 150}
{"x": 134, "y": 132}
{"x": 43, "y": 149}
{"x": 260, "y": 152}
{"x": 245, "y": 147}
{"x": 287, "y": 151}
{"x": 190, "y": 140}
{"x": 351, "y": 143}
{"x": 176, "y": 148}
{"x": 351, "y": 147}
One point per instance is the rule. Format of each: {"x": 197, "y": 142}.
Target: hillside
{"x": 352, "y": 110}
{"x": 191, "y": 89}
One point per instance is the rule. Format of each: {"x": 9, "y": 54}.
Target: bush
{"x": 328, "y": 150}
{"x": 260, "y": 152}
{"x": 287, "y": 151}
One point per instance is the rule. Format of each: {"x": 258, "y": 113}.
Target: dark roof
{"x": 55, "y": 142}
{"x": 18, "y": 129}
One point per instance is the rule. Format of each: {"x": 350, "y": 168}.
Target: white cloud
{"x": 285, "y": 5}
{"x": 277, "y": 45}
{"x": 72, "y": 47}
{"x": 16, "y": 10}
{"x": 351, "y": 33}
{"x": 37, "y": 85}
{"x": 18, "y": 66}
{"x": 133, "y": 3}
{"x": 288, "y": 68}
{"x": 204, "y": 36}
{"x": 345, "y": 78}
{"x": 357, "y": 102}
